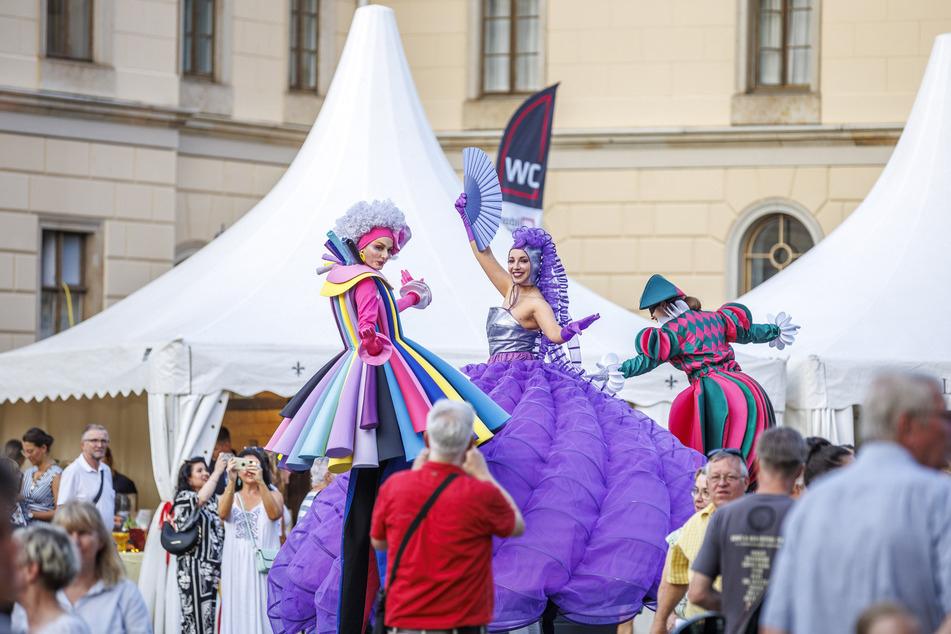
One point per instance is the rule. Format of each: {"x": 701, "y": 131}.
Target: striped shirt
{"x": 38, "y": 495}
{"x": 681, "y": 555}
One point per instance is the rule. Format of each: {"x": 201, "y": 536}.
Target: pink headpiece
{"x": 399, "y": 240}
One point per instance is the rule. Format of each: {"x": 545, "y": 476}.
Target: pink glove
{"x": 371, "y": 342}
{"x": 406, "y": 279}
{"x": 461, "y": 208}
{"x": 575, "y": 327}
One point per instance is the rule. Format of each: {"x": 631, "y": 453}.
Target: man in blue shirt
{"x": 877, "y": 530}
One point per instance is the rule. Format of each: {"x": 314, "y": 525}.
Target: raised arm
{"x": 493, "y": 270}
{"x": 208, "y": 489}
{"x": 741, "y": 329}
{"x": 226, "y": 499}
{"x": 545, "y": 318}
{"x": 476, "y": 467}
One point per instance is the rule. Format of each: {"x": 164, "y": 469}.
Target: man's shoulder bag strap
{"x": 417, "y": 521}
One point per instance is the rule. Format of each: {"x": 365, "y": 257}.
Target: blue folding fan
{"x": 480, "y": 181}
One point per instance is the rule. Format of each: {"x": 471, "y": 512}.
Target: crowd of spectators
{"x": 825, "y": 545}
{"x": 761, "y": 559}
{"x": 65, "y": 573}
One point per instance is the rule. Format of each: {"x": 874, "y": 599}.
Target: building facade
{"x": 712, "y": 141}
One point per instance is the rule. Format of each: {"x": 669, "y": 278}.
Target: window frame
{"x": 90, "y": 29}
{"x": 194, "y": 37}
{"x": 91, "y": 263}
{"x": 748, "y": 256}
{"x": 755, "y": 48}
{"x": 295, "y": 55}
{"x": 59, "y": 295}
{"x": 513, "y": 18}
{"x": 736, "y": 239}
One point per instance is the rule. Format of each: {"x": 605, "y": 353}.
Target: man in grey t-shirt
{"x": 743, "y": 537}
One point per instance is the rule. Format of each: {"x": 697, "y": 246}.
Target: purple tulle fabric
{"x": 600, "y": 485}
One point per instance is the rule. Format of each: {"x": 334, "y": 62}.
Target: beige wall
{"x": 644, "y": 63}
{"x": 615, "y": 228}
{"x": 124, "y": 194}
{"x": 214, "y": 193}
{"x": 874, "y": 55}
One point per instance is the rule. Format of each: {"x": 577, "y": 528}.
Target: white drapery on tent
{"x": 244, "y": 315}
{"x": 872, "y": 296}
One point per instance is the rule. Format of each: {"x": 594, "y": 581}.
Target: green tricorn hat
{"x": 658, "y": 290}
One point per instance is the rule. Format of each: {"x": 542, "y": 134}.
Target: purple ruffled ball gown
{"x": 600, "y": 486}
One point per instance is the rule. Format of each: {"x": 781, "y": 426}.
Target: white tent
{"x": 873, "y": 295}
{"x": 244, "y": 315}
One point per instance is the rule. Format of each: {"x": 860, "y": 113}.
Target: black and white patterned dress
{"x": 200, "y": 570}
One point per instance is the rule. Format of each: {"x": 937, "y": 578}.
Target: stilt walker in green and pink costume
{"x": 723, "y": 407}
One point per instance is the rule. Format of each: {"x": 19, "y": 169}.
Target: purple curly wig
{"x": 548, "y": 274}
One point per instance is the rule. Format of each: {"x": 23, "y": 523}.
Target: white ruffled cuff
{"x": 608, "y": 374}
{"x": 421, "y": 289}
{"x": 787, "y": 331}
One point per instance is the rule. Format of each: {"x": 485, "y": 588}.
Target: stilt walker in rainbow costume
{"x": 366, "y": 408}
{"x": 723, "y": 407}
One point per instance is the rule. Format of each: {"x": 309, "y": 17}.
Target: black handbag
{"x": 180, "y": 543}
{"x": 379, "y": 622}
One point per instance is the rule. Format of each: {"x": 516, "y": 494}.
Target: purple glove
{"x": 461, "y": 208}
{"x": 575, "y": 327}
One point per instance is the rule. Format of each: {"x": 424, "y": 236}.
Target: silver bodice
{"x": 506, "y": 334}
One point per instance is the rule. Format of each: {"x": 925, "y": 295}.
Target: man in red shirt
{"x": 444, "y": 580}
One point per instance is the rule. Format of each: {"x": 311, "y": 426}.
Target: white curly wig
{"x": 363, "y": 216}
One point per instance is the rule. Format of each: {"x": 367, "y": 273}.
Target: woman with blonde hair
{"x": 47, "y": 561}
{"x": 101, "y": 594}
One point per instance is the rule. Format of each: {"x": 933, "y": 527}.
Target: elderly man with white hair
{"x": 877, "y": 530}
{"x": 444, "y": 579}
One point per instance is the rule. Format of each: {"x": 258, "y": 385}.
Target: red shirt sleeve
{"x": 496, "y": 515}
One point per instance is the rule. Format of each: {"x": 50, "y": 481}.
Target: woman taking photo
{"x": 199, "y": 570}
{"x": 252, "y": 510}
{"x": 107, "y": 600}
{"x": 41, "y": 481}
{"x": 46, "y": 563}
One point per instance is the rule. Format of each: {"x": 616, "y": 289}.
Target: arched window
{"x": 771, "y": 244}
{"x": 768, "y": 237}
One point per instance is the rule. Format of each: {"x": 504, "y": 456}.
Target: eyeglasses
{"x": 97, "y": 441}
{"x": 727, "y": 450}
{"x": 699, "y": 493}
{"x": 729, "y": 479}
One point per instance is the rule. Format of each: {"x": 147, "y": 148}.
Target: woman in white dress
{"x": 251, "y": 509}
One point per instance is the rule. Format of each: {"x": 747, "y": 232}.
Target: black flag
{"x": 523, "y": 160}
